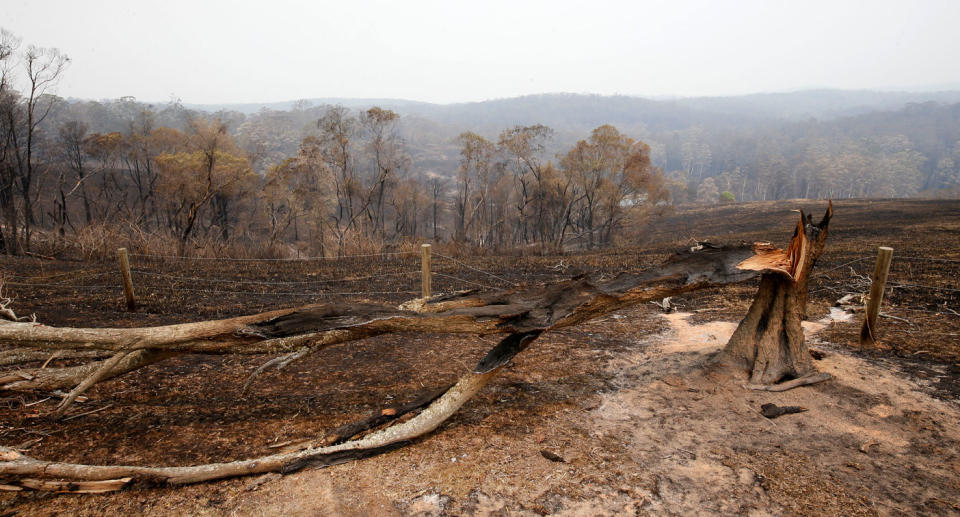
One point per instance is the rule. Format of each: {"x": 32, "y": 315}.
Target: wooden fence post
{"x": 127, "y": 279}
{"x": 425, "y": 271}
{"x": 868, "y": 333}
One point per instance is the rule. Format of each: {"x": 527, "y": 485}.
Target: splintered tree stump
{"x": 769, "y": 342}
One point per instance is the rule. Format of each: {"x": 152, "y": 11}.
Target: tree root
{"x": 793, "y": 383}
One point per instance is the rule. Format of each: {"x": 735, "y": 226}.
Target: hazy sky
{"x": 447, "y": 51}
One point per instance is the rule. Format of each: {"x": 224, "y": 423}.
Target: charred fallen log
{"x": 317, "y": 326}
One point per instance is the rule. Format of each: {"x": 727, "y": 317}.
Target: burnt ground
{"x": 624, "y": 401}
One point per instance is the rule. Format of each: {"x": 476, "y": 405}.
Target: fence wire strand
{"x": 475, "y": 269}
{"x": 263, "y": 282}
{"x": 275, "y": 293}
{"x": 299, "y": 259}
{"x": 928, "y": 259}
{"x": 463, "y": 280}
{"x": 63, "y": 286}
{"x": 71, "y": 274}
{"x": 854, "y": 261}
{"x": 918, "y": 286}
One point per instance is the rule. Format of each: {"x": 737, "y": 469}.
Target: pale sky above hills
{"x": 450, "y": 51}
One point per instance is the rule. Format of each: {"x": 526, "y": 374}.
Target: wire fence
{"x": 925, "y": 284}
{"x": 928, "y": 285}
{"x": 920, "y": 310}
{"x": 269, "y": 283}
{"x": 389, "y": 273}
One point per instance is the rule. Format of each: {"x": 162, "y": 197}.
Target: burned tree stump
{"x": 769, "y": 342}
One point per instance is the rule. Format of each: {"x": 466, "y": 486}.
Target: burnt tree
{"x": 769, "y": 342}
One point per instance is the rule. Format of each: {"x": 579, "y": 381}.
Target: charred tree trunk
{"x": 769, "y": 342}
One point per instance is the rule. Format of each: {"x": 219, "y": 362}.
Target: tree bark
{"x": 26, "y": 355}
{"x": 33, "y": 379}
{"x": 769, "y": 342}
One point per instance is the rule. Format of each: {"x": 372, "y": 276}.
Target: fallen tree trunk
{"x": 28, "y": 355}
{"x": 561, "y": 304}
{"x": 524, "y": 315}
{"x": 316, "y": 326}
{"x": 287, "y": 330}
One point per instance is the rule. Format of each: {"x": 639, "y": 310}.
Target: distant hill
{"x": 819, "y": 104}
{"x": 579, "y": 112}
{"x": 795, "y": 144}
{"x": 253, "y": 107}
{"x": 703, "y": 136}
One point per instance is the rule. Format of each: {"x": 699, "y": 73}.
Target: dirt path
{"x": 871, "y": 442}
{"x": 672, "y": 440}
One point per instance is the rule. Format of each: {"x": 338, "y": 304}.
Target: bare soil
{"x": 619, "y": 416}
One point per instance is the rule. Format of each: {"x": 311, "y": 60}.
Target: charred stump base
{"x": 769, "y": 343}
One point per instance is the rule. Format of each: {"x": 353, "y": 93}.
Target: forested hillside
{"x": 553, "y": 172}
{"x": 767, "y": 146}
